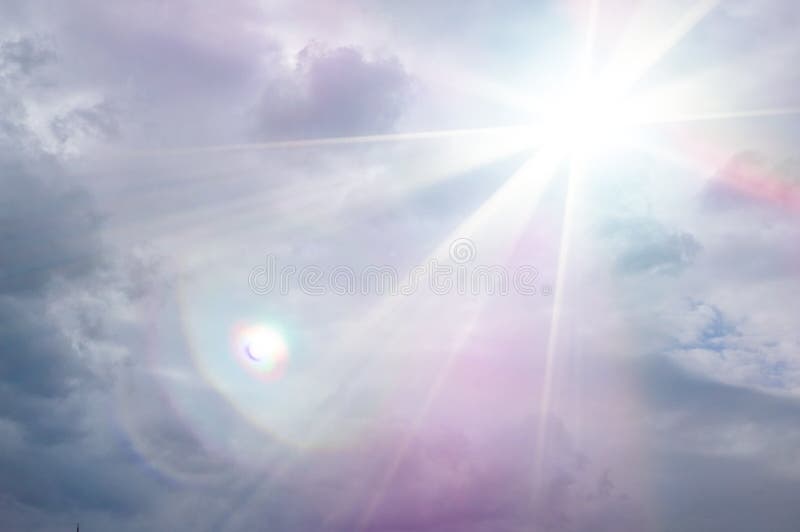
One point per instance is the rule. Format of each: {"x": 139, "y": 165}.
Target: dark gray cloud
{"x": 50, "y": 384}
{"x": 49, "y": 230}
{"x": 20, "y": 57}
{"x": 722, "y": 454}
{"x": 55, "y": 460}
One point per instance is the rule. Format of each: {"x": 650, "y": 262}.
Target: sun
{"x": 588, "y": 116}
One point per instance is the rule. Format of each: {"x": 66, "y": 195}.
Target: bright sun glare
{"x": 588, "y": 117}
{"x": 606, "y": 102}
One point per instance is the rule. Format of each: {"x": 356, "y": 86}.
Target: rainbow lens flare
{"x": 261, "y": 350}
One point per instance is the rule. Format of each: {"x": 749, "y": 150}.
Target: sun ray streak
{"x": 558, "y": 309}
{"x": 634, "y": 60}
{"x": 301, "y": 203}
{"x": 518, "y": 197}
{"x": 402, "y": 451}
{"x": 334, "y": 141}
{"x": 591, "y": 35}
{"x": 575, "y": 169}
{"x": 725, "y": 115}
{"x": 563, "y": 257}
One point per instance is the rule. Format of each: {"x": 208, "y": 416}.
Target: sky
{"x": 400, "y": 266}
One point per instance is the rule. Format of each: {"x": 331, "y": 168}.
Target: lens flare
{"x": 261, "y": 350}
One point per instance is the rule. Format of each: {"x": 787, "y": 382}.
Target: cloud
{"x": 722, "y": 454}
{"x": 20, "y": 57}
{"x": 98, "y": 120}
{"x": 49, "y": 230}
{"x": 443, "y": 481}
{"x": 50, "y": 378}
{"x": 336, "y": 92}
{"x": 643, "y": 245}
{"x": 54, "y": 380}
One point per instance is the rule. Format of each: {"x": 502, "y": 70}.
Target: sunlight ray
{"x": 589, "y": 41}
{"x": 508, "y": 209}
{"x": 416, "y": 424}
{"x": 333, "y": 141}
{"x": 302, "y": 201}
{"x": 638, "y": 50}
{"x": 557, "y": 316}
{"x": 561, "y": 268}
{"x": 458, "y": 79}
{"x": 725, "y": 115}
{"x": 523, "y": 187}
